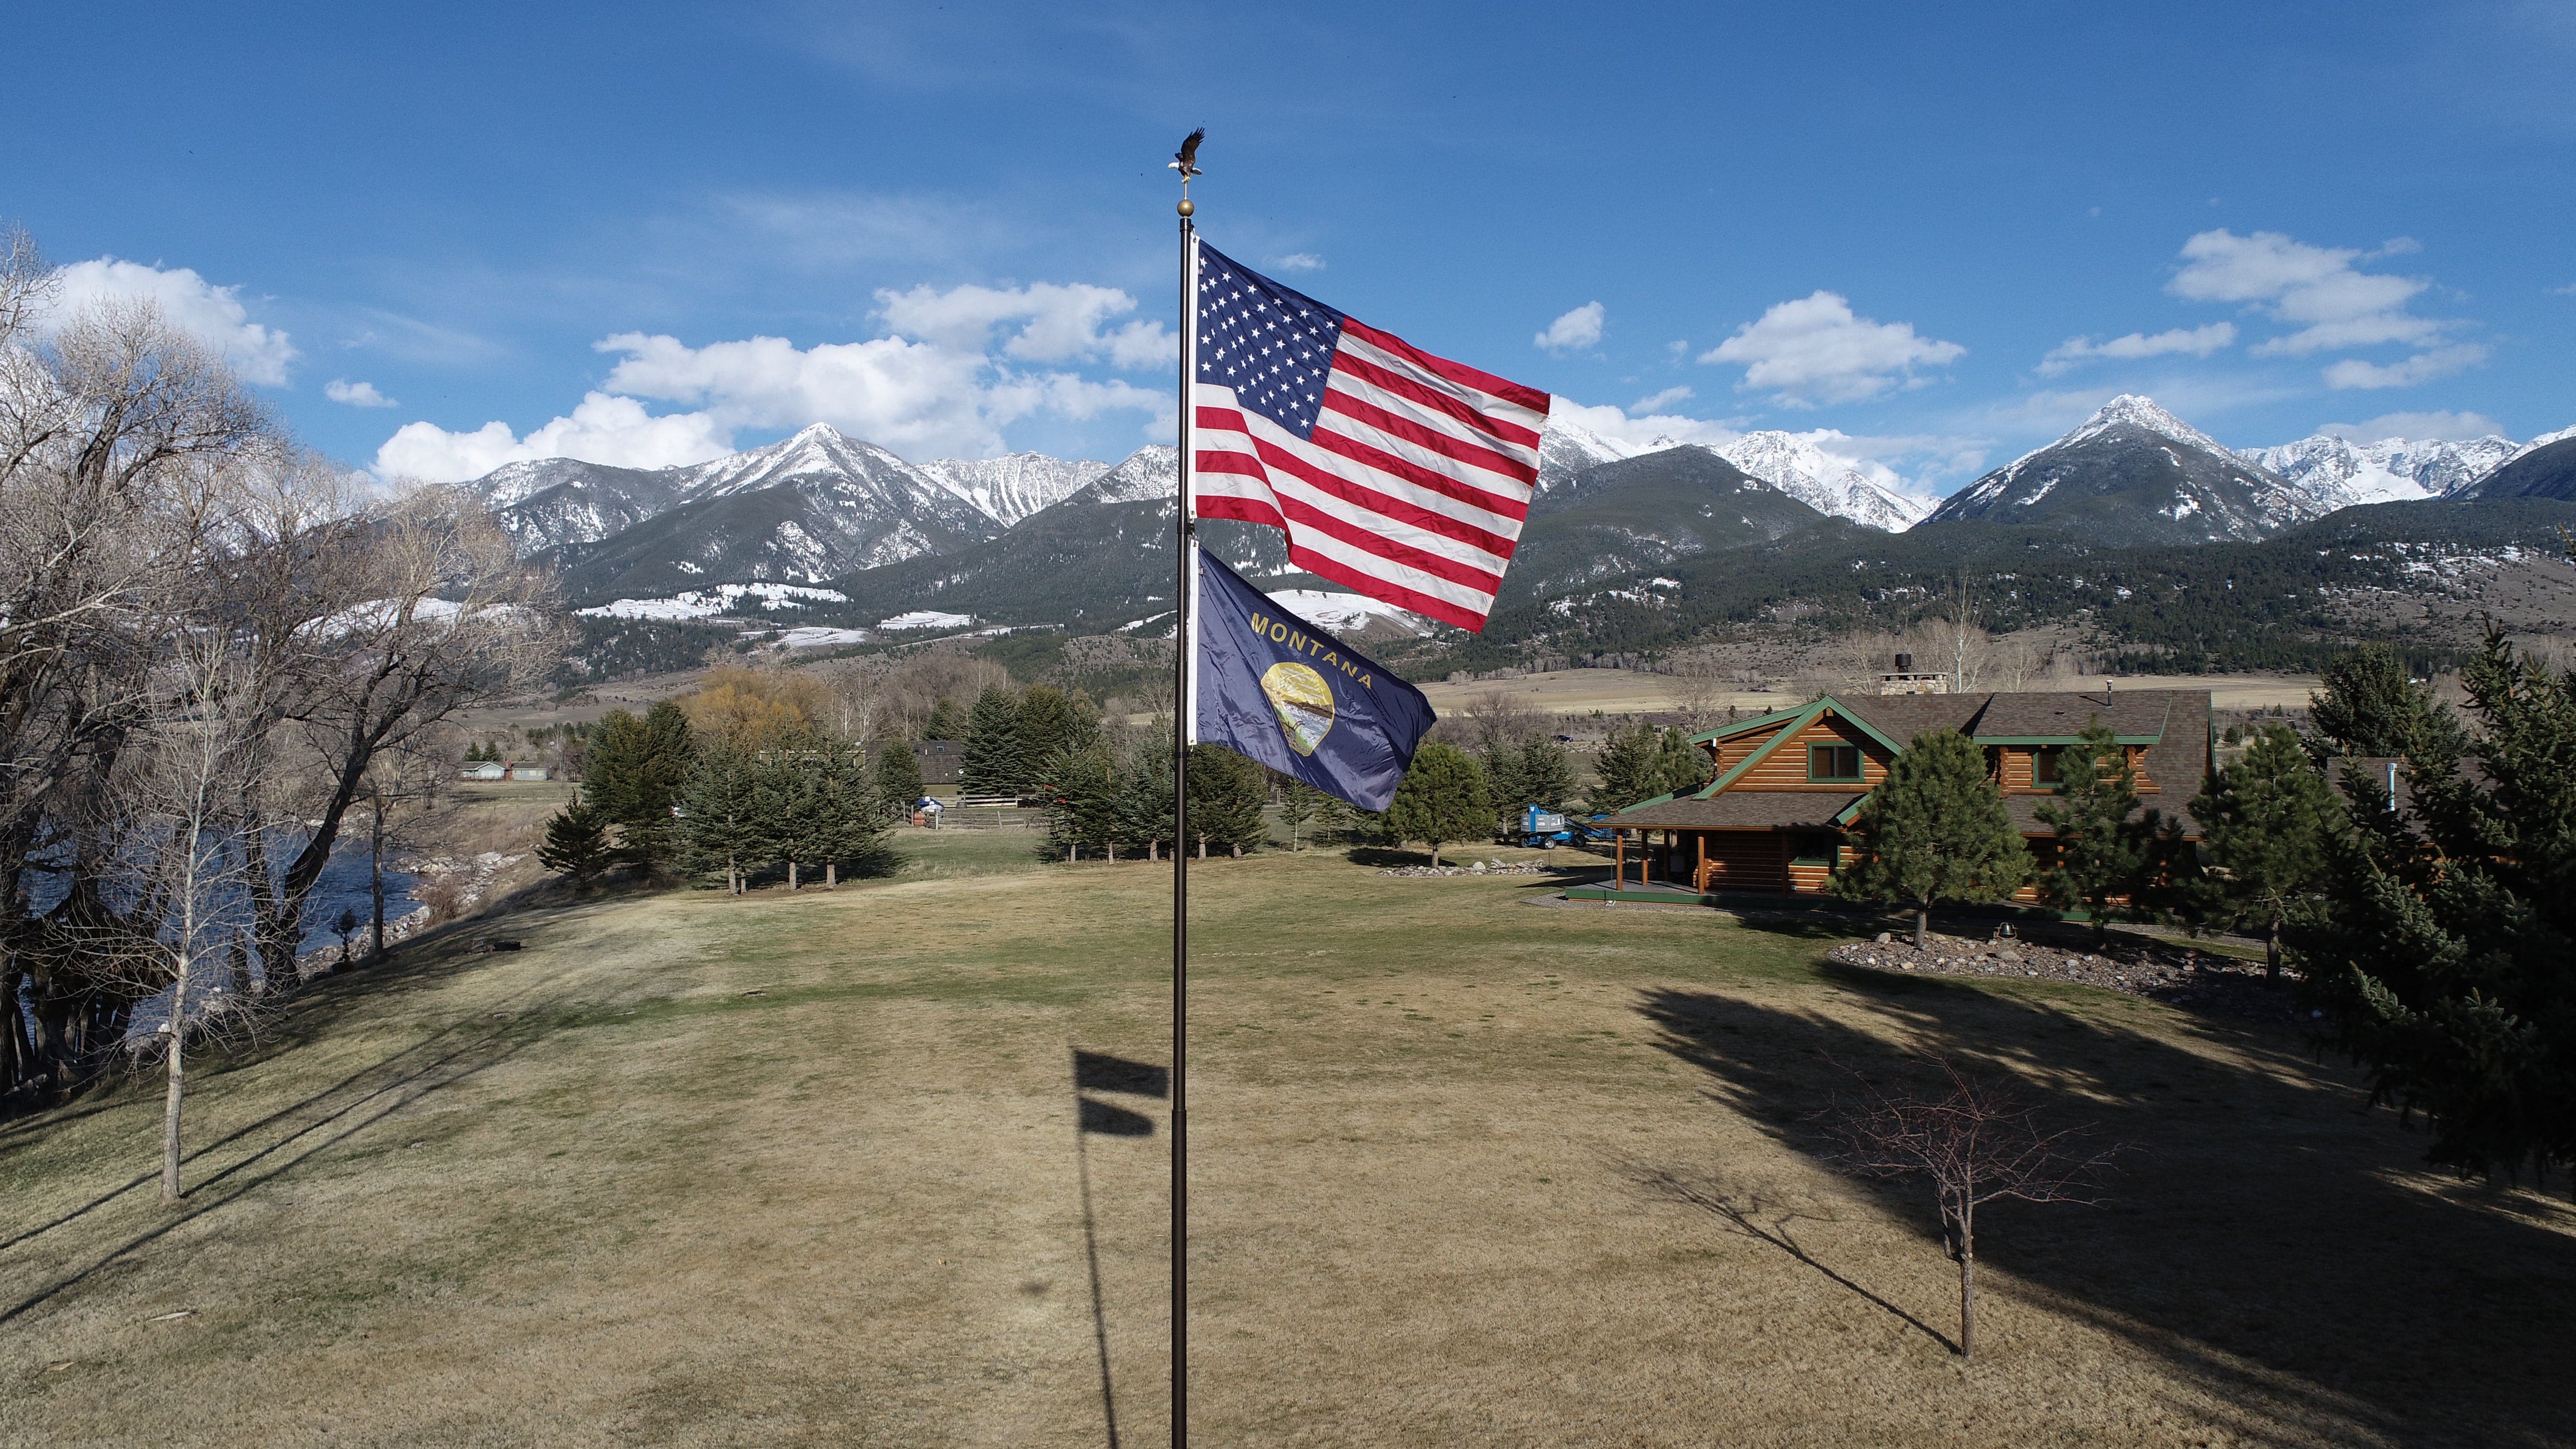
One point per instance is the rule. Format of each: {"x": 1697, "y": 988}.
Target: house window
{"x": 2044, "y": 766}
{"x": 1833, "y": 762}
{"x": 1815, "y": 850}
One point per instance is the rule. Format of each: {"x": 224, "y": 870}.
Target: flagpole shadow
{"x": 1097, "y": 1072}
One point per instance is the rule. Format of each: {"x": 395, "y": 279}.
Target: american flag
{"x": 1399, "y": 474}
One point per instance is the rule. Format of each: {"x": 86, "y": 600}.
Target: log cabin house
{"x": 1774, "y": 821}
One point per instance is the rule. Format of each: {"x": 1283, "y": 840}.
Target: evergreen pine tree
{"x": 788, "y": 790}
{"x": 898, "y": 779}
{"x": 1145, "y": 796}
{"x": 1299, "y": 803}
{"x": 2443, "y": 950}
{"x": 1936, "y": 829}
{"x": 636, "y": 772}
{"x": 721, "y": 827}
{"x": 850, "y": 825}
{"x": 1334, "y": 818}
{"x": 991, "y": 763}
{"x": 2267, "y": 820}
{"x": 1081, "y": 801}
{"x": 1680, "y": 766}
{"x": 2370, "y": 707}
{"x": 576, "y": 844}
{"x": 2101, "y": 854}
{"x": 1627, "y": 767}
{"x": 1547, "y": 773}
{"x": 1227, "y": 793}
{"x": 1052, "y": 721}
{"x": 1442, "y": 799}
{"x": 946, "y": 722}
{"x": 1506, "y": 782}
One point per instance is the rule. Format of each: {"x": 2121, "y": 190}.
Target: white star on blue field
{"x": 437, "y": 238}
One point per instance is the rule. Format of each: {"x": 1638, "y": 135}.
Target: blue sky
{"x": 479, "y": 232}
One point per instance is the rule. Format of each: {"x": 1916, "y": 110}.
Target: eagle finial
{"x": 1186, "y": 159}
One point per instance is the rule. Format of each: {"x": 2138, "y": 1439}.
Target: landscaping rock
{"x": 2174, "y": 974}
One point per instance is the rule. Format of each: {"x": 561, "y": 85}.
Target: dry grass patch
{"x": 805, "y": 1170}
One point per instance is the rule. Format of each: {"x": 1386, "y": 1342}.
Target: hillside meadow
{"x": 1468, "y": 1168}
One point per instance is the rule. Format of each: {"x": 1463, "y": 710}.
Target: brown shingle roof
{"x": 1743, "y": 810}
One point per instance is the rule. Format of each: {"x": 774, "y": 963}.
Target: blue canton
{"x": 1274, "y": 347}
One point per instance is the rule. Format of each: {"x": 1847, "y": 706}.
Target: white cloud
{"x": 2334, "y": 305}
{"x": 1049, "y": 322}
{"x": 1814, "y": 351}
{"x": 1574, "y": 331}
{"x": 1640, "y": 427}
{"x": 946, "y": 390}
{"x": 2422, "y": 367}
{"x": 2566, "y": 291}
{"x": 1300, "y": 262}
{"x": 2435, "y": 426}
{"x": 355, "y": 394}
{"x": 212, "y": 315}
{"x": 2193, "y": 341}
{"x": 603, "y": 429}
{"x": 1664, "y": 399}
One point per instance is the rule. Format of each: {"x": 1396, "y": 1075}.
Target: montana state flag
{"x": 1281, "y": 692}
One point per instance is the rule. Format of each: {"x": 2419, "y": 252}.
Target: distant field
{"x": 1621, "y": 691}
{"x": 1468, "y": 1170}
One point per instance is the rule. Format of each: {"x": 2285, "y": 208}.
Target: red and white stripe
{"x": 1412, "y": 490}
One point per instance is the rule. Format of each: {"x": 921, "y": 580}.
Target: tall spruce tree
{"x": 1052, "y": 721}
{"x": 1298, "y": 802}
{"x": 787, "y": 786}
{"x": 947, "y": 721}
{"x": 1145, "y": 795}
{"x": 1628, "y": 768}
{"x": 637, "y": 770}
{"x": 2268, "y": 821}
{"x": 992, "y": 762}
{"x": 2443, "y": 949}
{"x": 1935, "y": 830}
{"x": 1081, "y": 794}
{"x": 1680, "y": 766}
{"x": 1441, "y": 800}
{"x": 577, "y": 844}
{"x": 2371, "y": 707}
{"x": 898, "y": 779}
{"x": 1547, "y": 773}
{"x": 850, "y": 828}
{"x": 2102, "y": 855}
{"x": 1227, "y": 793}
{"x": 722, "y": 828}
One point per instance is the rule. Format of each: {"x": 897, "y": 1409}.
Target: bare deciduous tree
{"x": 1697, "y": 687}
{"x": 1976, "y": 1143}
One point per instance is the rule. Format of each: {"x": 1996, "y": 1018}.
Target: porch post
{"x": 1618, "y": 860}
{"x": 1699, "y": 870}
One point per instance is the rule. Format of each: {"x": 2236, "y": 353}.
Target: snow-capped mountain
{"x": 1792, "y": 463}
{"x": 2134, "y": 473}
{"x": 1149, "y": 475}
{"x": 1567, "y": 449}
{"x": 1015, "y": 485}
{"x": 2338, "y": 473}
{"x": 2545, "y": 467}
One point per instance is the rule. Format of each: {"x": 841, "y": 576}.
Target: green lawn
{"x": 1467, "y": 1170}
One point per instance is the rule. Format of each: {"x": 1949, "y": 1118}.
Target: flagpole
{"x": 1182, "y": 647}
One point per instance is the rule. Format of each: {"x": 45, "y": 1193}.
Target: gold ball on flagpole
{"x": 1186, "y": 208}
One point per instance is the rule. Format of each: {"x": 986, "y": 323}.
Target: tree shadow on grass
{"x": 330, "y": 1124}
{"x": 2273, "y": 1242}
{"x": 325, "y": 1116}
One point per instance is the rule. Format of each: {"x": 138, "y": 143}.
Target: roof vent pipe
{"x": 1905, "y": 664}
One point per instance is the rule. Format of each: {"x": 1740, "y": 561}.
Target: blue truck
{"x": 1545, "y": 829}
